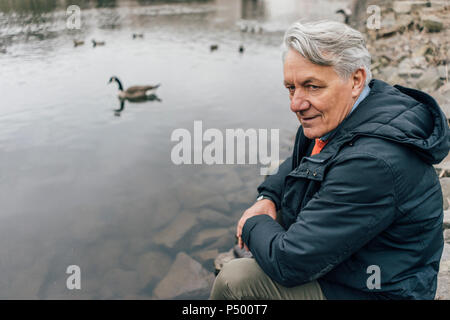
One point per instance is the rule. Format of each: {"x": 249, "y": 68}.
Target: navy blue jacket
{"x": 370, "y": 197}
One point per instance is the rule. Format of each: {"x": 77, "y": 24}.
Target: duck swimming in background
{"x": 97, "y": 43}
{"x": 135, "y": 93}
{"x": 138, "y": 35}
{"x": 77, "y": 43}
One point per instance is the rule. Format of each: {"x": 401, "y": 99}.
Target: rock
{"x": 166, "y": 208}
{"x": 224, "y": 242}
{"x": 217, "y": 203}
{"x": 223, "y": 258}
{"x": 429, "y": 80}
{"x": 192, "y": 197}
{"x": 419, "y": 62}
{"x": 413, "y": 73}
{"x": 388, "y": 72}
{"x": 402, "y": 7}
{"x": 241, "y": 253}
{"x": 174, "y": 233}
{"x": 422, "y": 51}
{"x": 388, "y": 20}
{"x": 404, "y": 23}
{"x": 441, "y": 100}
{"x": 443, "y": 287}
{"x": 151, "y": 267}
{"x": 395, "y": 79}
{"x": 439, "y": 5}
{"x": 231, "y": 181}
{"x": 419, "y": 5}
{"x": 206, "y": 236}
{"x": 443, "y": 168}
{"x": 205, "y": 256}
{"x": 386, "y": 32}
{"x": 447, "y": 235}
{"x": 117, "y": 282}
{"x": 244, "y": 198}
{"x": 104, "y": 254}
{"x": 432, "y": 23}
{"x": 196, "y": 197}
{"x": 445, "y": 90}
{"x": 213, "y": 218}
{"x": 186, "y": 279}
{"x": 407, "y": 64}
{"x": 447, "y": 219}
{"x": 442, "y": 71}
{"x": 445, "y": 185}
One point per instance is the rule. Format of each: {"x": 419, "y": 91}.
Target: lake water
{"x": 82, "y": 184}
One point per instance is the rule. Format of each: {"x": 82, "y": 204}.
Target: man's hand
{"x": 264, "y": 206}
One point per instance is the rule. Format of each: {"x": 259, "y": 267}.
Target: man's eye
{"x": 313, "y": 87}
{"x": 291, "y": 89}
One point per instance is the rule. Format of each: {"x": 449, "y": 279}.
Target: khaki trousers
{"x": 243, "y": 279}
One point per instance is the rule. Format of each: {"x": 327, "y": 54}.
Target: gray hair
{"x": 330, "y": 43}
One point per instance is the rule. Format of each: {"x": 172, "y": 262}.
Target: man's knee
{"x": 233, "y": 278}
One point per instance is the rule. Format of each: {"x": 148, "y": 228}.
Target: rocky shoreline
{"x": 412, "y": 49}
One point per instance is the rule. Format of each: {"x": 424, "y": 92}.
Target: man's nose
{"x": 299, "y": 102}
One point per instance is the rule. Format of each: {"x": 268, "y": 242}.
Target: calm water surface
{"x": 82, "y": 184}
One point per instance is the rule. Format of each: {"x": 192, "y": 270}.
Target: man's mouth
{"x": 308, "y": 118}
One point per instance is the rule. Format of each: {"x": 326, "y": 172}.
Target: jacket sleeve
{"x": 273, "y": 185}
{"x": 355, "y": 202}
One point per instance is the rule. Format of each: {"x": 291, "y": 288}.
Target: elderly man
{"x": 360, "y": 200}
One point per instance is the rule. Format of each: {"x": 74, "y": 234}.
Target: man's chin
{"x": 310, "y": 134}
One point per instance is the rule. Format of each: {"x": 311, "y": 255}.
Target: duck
{"x": 97, "y": 43}
{"x": 214, "y": 47}
{"x": 138, "y": 35}
{"x": 346, "y": 12}
{"x": 135, "y": 93}
{"x": 77, "y": 43}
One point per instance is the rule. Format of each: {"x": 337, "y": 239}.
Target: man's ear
{"x": 358, "y": 82}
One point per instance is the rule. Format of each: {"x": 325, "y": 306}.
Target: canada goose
{"x": 134, "y": 93}
{"x": 346, "y": 13}
{"x": 77, "y": 43}
{"x": 138, "y": 35}
{"x": 97, "y": 43}
{"x": 214, "y": 47}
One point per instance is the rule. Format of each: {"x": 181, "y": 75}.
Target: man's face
{"x": 319, "y": 97}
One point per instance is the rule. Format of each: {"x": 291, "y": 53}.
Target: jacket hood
{"x": 407, "y": 116}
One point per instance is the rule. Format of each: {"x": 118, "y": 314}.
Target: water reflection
{"x": 26, "y": 6}
{"x": 152, "y": 97}
{"x": 253, "y": 9}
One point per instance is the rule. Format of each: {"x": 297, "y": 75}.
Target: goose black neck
{"x": 119, "y": 83}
